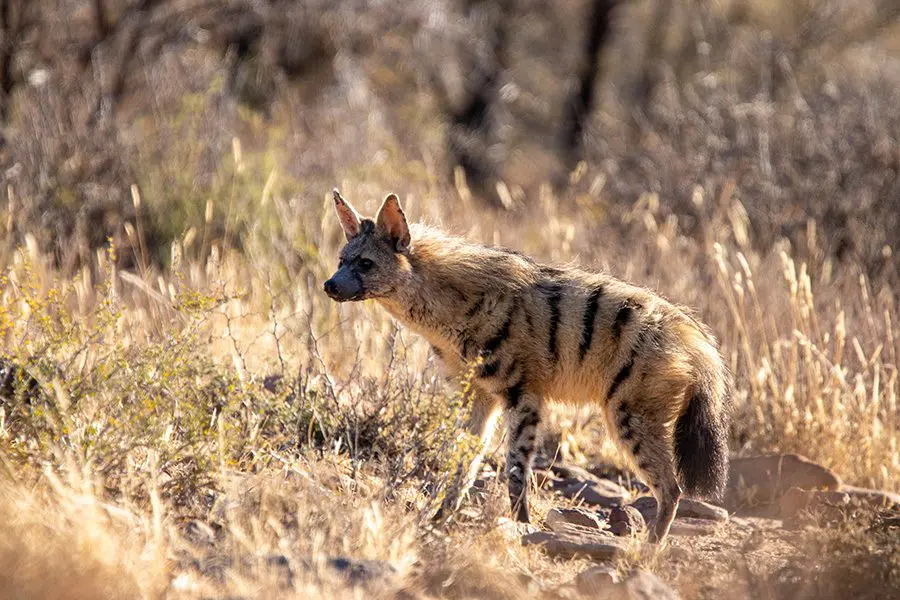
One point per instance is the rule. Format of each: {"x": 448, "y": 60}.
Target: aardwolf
{"x": 537, "y": 332}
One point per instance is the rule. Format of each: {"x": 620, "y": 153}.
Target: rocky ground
{"x": 781, "y": 523}
{"x": 786, "y": 528}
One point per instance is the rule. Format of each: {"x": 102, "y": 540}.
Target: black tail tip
{"x": 701, "y": 448}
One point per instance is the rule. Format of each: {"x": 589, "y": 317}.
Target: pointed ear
{"x": 392, "y": 221}
{"x": 347, "y": 214}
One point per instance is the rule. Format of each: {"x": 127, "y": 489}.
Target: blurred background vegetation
{"x": 790, "y": 107}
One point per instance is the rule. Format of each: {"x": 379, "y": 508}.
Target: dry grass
{"x": 157, "y": 463}
{"x": 160, "y": 458}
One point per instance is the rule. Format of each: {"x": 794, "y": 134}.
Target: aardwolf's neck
{"x": 448, "y": 277}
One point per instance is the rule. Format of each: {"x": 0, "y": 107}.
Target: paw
{"x": 521, "y": 515}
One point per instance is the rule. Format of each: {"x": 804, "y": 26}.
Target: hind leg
{"x": 667, "y": 493}
{"x": 651, "y": 449}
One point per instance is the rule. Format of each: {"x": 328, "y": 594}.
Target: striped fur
{"x": 558, "y": 333}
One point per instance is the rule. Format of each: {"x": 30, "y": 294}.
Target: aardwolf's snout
{"x": 343, "y": 286}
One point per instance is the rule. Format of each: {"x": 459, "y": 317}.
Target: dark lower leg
{"x": 523, "y": 422}
{"x": 667, "y": 504}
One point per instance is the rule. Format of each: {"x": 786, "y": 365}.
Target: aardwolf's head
{"x": 374, "y": 262}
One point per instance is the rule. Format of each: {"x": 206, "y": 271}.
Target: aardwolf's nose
{"x": 330, "y": 288}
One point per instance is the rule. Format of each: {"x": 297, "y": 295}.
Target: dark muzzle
{"x": 344, "y": 285}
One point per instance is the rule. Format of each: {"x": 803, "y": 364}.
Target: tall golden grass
{"x": 156, "y": 462}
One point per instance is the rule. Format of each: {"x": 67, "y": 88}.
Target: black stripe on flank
{"x": 621, "y": 376}
{"x": 514, "y": 394}
{"x": 492, "y": 344}
{"x": 475, "y": 307}
{"x": 590, "y": 313}
{"x": 623, "y": 316}
{"x": 636, "y": 449}
{"x": 625, "y": 372}
{"x": 554, "y": 291}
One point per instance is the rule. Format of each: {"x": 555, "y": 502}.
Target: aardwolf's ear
{"x": 392, "y": 221}
{"x": 347, "y": 214}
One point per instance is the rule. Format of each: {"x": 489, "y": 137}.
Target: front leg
{"x": 524, "y": 417}
{"x": 482, "y": 422}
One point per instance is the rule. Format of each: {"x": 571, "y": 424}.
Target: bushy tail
{"x": 701, "y": 438}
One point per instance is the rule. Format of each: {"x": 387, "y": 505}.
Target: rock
{"x": 573, "y": 540}
{"x": 601, "y": 579}
{"x": 691, "y": 527}
{"x": 869, "y": 497}
{"x": 574, "y": 516}
{"x": 763, "y": 479}
{"x": 594, "y": 492}
{"x": 797, "y": 499}
{"x": 626, "y": 520}
{"x": 643, "y": 585}
{"x": 801, "y": 507}
{"x": 687, "y": 507}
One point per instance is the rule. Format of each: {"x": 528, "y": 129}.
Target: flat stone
{"x": 626, "y": 520}
{"x": 593, "y": 492}
{"x": 574, "y": 516}
{"x": 576, "y": 541}
{"x": 687, "y": 507}
{"x": 763, "y": 479}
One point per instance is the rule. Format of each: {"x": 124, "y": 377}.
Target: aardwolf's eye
{"x": 365, "y": 264}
